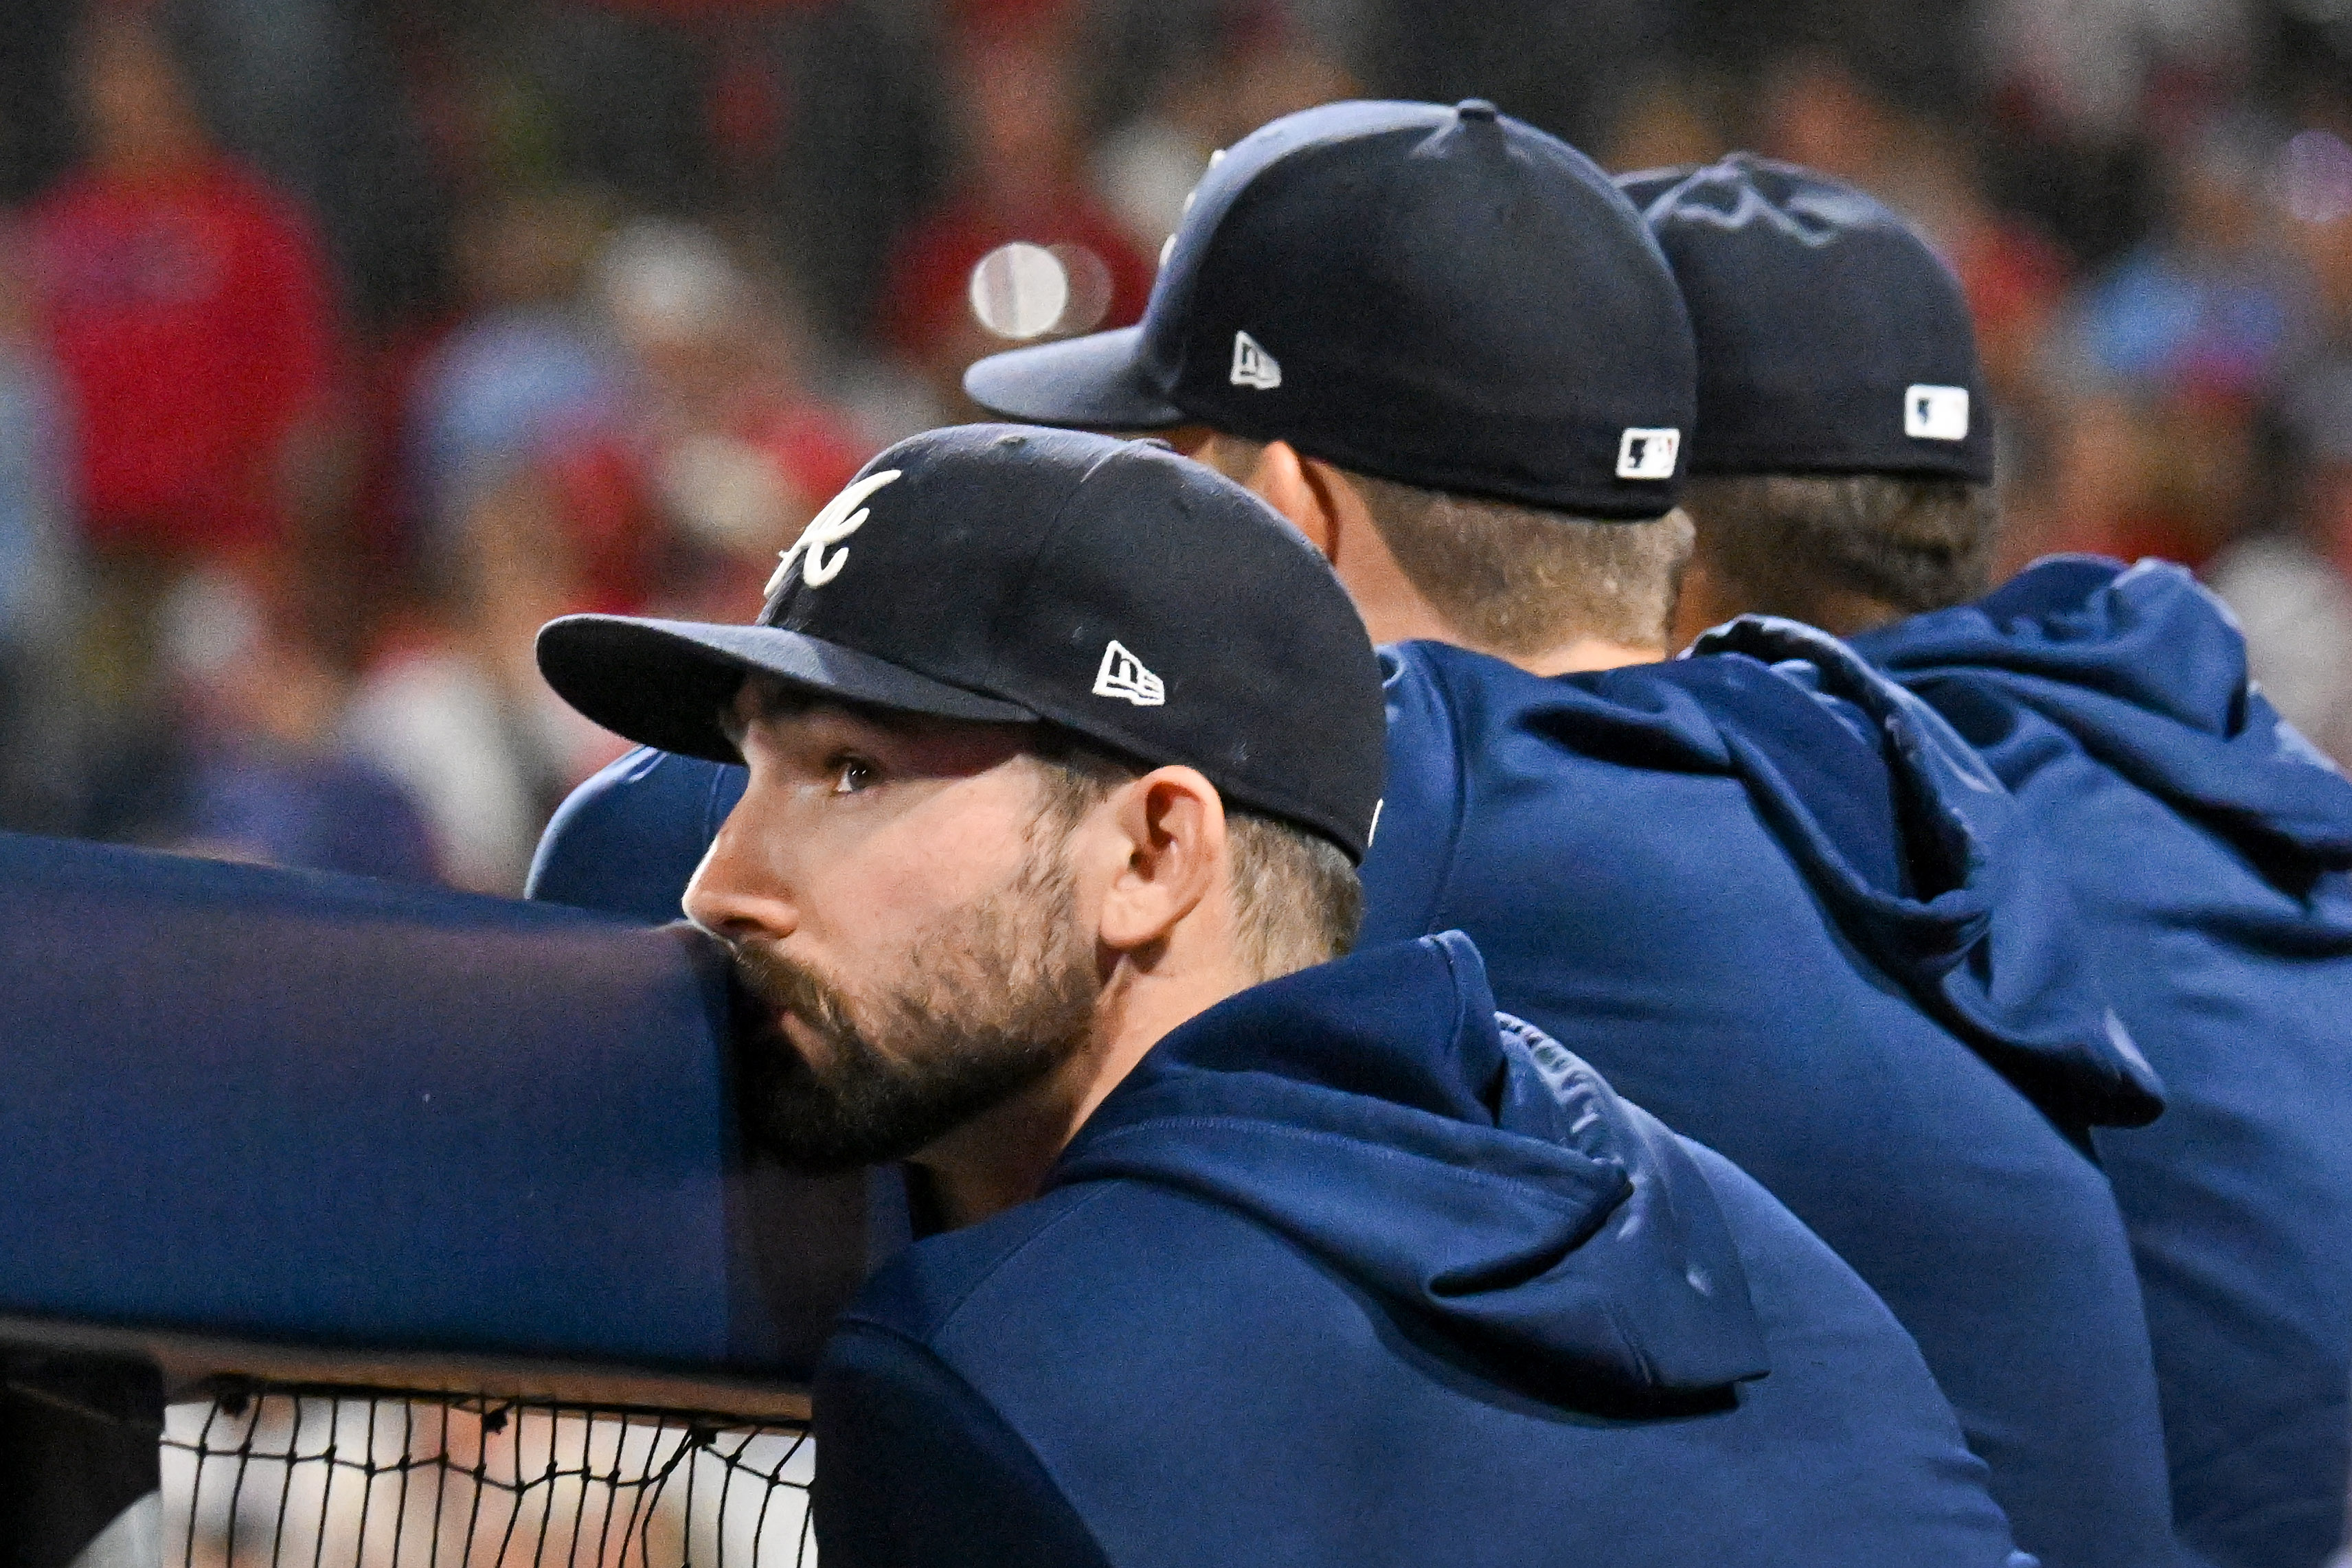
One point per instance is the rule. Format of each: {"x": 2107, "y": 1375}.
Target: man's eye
{"x": 853, "y": 774}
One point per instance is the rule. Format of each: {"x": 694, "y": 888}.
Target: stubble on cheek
{"x": 991, "y": 1000}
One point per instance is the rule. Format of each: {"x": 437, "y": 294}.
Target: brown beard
{"x": 998, "y": 996}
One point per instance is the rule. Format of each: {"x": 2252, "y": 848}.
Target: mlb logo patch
{"x": 1935, "y": 414}
{"x": 1648, "y": 453}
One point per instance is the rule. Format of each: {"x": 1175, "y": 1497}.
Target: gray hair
{"x": 1515, "y": 580}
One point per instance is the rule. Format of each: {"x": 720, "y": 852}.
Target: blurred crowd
{"x": 343, "y": 343}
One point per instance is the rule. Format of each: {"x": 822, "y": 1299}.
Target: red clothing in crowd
{"x": 621, "y": 542}
{"x": 192, "y": 320}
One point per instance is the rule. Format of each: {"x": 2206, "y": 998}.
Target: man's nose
{"x": 736, "y": 894}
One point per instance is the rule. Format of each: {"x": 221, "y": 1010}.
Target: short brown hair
{"x": 1795, "y": 545}
{"x": 1515, "y": 580}
{"x": 1296, "y": 892}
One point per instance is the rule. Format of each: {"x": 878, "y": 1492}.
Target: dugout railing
{"x": 398, "y": 1227}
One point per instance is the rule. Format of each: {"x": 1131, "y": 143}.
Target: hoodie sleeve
{"x": 914, "y": 1469}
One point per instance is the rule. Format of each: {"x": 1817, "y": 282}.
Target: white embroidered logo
{"x": 1648, "y": 453}
{"x": 827, "y": 529}
{"x": 1253, "y": 366}
{"x": 1935, "y": 414}
{"x": 1122, "y": 675}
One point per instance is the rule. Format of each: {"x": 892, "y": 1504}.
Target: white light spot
{"x": 1091, "y": 287}
{"x": 1020, "y": 290}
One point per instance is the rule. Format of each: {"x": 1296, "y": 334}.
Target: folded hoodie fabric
{"x": 1350, "y": 1270}
{"x": 1784, "y": 914}
{"x": 2207, "y": 845}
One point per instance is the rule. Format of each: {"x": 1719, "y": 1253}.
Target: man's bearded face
{"x": 993, "y": 999}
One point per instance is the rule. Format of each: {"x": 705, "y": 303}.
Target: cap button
{"x": 1476, "y": 108}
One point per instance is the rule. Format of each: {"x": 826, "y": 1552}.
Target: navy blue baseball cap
{"x": 1832, "y": 339}
{"x": 1017, "y": 575}
{"x": 1446, "y": 298}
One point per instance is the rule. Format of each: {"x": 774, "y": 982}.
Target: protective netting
{"x": 332, "y": 1478}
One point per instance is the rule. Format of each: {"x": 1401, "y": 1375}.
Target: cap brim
{"x": 663, "y": 683}
{"x": 1089, "y": 383}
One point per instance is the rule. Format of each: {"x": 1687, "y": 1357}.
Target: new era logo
{"x": 1122, "y": 675}
{"x": 1935, "y": 414}
{"x": 1648, "y": 453}
{"x": 1253, "y": 366}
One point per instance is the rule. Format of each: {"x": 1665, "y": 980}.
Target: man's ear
{"x": 1170, "y": 827}
{"x": 1293, "y": 487}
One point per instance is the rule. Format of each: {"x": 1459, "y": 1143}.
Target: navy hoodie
{"x": 1779, "y": 913}
{"x": 2207, "y": 845}
{"x": 627, "y": 842}
{"x": 1708, "y": 880}
{"x": 1351, "y": 1271}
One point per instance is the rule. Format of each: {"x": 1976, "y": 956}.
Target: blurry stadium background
{"x": 344, "y": 341}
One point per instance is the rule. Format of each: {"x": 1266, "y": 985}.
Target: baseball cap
{"x": 1832, "y": 339}
{"x": 1446, "y": 298}
{"x": 1021, "y": 575}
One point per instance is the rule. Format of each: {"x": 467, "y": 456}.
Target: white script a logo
{"x": 827, "y": 529}
{"x": 1122, "y": 675}
{"x": 1253, "y": 366}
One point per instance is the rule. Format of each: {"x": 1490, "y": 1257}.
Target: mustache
{"x": 781, "y": 985}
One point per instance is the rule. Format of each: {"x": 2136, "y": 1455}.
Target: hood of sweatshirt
{"x": 1965, "y": 908}
{"x": 627, "y": 842}
{"x": 1457, "y": 1163}
{"x": 2147, "y": 671}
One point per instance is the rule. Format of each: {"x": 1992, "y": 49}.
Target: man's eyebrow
{"x": 775, "y": 699}
{"x": 890, "y": 721}
{"x": 730, "y": 723}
